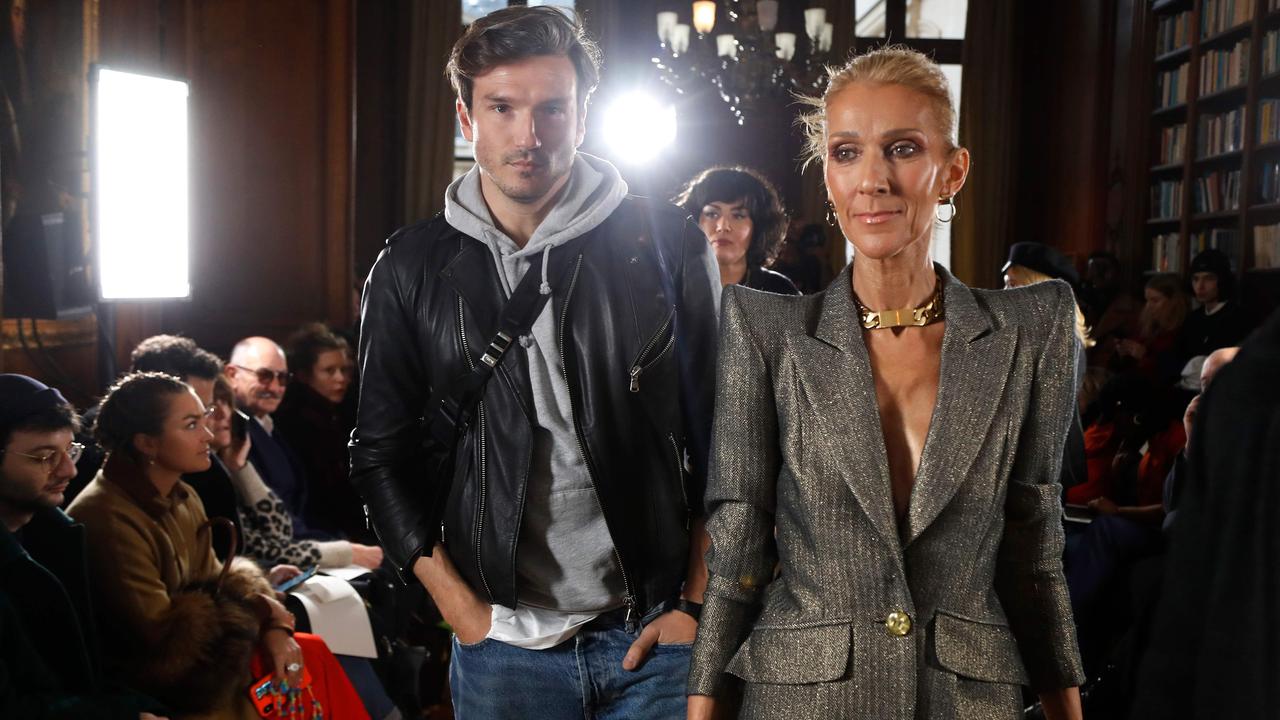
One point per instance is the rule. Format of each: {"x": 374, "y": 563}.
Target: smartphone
{"x": 262, "y": 693}
{"x": 239, "y": 425}
{"x": 297, "y": 580}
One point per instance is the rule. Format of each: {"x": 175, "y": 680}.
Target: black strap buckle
{"x": 497, "y": 348}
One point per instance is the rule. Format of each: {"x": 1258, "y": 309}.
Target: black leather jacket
{"x": 637, "y": 325}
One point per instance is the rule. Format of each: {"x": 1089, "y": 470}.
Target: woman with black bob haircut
{"x": 176, "y": 624}
{"x": 743, "y": 219}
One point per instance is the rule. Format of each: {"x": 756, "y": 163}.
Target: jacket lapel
{"x": 835, "y": 371}
{"x": 975, "y": 364}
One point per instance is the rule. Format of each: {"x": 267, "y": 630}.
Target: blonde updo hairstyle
{"x": 888, "y": 65}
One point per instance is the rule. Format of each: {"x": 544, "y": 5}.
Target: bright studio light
{"x": 140, "y": 181}
{"x": 637, "y": 127}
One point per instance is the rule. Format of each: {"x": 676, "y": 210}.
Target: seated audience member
{"x": 49, "y": 659}
{"x": 177, "y": 625}
{"x": 258, "y": 375}
{"x": 309, "y": 420}
{"x": 1219, "y": 321}
{"x": 267, "y": 528}
{"x": 1153, "y": 354}
{"x": 798, "y": 258}
{"x": 1108, "y": 307}
{"x": 172, "y": 354}
{"x": 1213, "y": 649}
{"x": 742, "y": 217}
{"x": 1174, "y": 483}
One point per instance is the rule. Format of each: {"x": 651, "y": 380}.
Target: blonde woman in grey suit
{"x": 884, "y": 511}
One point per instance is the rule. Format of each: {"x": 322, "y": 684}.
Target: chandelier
{"x": 751, "y": 67}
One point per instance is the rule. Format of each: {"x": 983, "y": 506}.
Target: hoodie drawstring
{"x": 545, "y": 287}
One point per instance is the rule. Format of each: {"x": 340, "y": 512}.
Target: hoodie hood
{"x": 594, "y": 190}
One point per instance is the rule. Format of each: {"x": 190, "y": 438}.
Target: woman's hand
{"x": 369, "y": 556}
{"x": 1103, "y": 506}
{"x": 236, "y": 455}
{"x": 282, "y": 573}
{"x": 702, "y": 707}
{"x": 286, "y": 655}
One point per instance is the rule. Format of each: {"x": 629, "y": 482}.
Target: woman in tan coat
{"x": 171, "y": 626}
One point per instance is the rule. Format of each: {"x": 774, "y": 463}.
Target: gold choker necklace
{"x": 927, "y": 314}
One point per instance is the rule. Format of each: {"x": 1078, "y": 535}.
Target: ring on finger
{"x": 293, "y": 667}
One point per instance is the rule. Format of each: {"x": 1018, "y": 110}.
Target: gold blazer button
{"x": 898, "y": 623}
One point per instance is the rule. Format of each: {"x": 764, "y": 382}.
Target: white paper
{"x": 338, "y": 615}
{"x": 346, "y": 572}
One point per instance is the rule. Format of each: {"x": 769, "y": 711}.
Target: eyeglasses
{"x": 266, "y": 375}
{"x": 50, "y": 459}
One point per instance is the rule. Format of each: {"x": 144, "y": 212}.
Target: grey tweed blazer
{"x": 799, "y": 484}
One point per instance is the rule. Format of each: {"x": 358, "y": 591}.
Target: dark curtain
{"x": 429, "y": 118}
{"x": 984, "y": 222}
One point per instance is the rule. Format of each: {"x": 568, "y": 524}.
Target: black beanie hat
{"x": 1215, "y": 261}
{"x": 21, "y": 397}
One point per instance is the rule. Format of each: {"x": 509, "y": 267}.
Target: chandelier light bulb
{"x": 813, "y": 20}
{"x": 680, "y": 38}
{"x": 666, "y": 23}
{"x": 704, "y": 16}
{"x": 786, "y": 43}
{"x": 767, "y": 14}
{"x": 824, "y": 41}
{"x": 726, "y": 46}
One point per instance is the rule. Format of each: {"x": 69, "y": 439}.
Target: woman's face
{"x": 183, "y": 443}
{"x": 887, "y": 166}
{"x": 220, "y": 424}
{"x": 728, "y": 228}
{"x": 1157, "y": 303}
{"x": 330, "y": 375}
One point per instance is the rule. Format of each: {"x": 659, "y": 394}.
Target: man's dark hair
{"x": 137, "y": 403}
{"x": 518, "y": 33}
{"x": 733, "y": 184}
{"x": 52, "y": 419}
{"x": 174, "y": 355}
{"x": 306, "y": 344}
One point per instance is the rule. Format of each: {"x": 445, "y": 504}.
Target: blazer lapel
{"x": 975, "y": 366}
{"x": 835, "y": 371}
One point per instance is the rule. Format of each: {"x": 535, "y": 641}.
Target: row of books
{"x": 1217, "y": 191}
{"x": 1219, "y": 134}
{"x": 1228, "y": 241}
{"x": 1271, "y": 51}
{"x": 1269, "y": 120}
{"x": 1174, "y": 32}
{"x": 1269, "y": 182}
{"x": 1171, "y": 86}
{"x": 1166, "y": 199}
{"x": 1266, "y": 243}
{"x": 1168, "y": 253}
{"x": 1173, "y": 143}
{"x": 1222, "y": 69}
{"x": 1219, "y": 15}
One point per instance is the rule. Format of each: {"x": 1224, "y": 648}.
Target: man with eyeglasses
{"x": 49, "y": 665}
{"x": 258, "y": 373}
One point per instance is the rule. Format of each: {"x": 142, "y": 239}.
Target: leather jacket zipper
{"x": 684, "y": 491}
{"x": 632, "y": 617}
{"x": 471, "y": 365}
{"x": 643, "y": 362}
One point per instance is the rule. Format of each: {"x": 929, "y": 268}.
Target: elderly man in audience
{"x": 258, "y": 373}
{"x": 49, "y": 663}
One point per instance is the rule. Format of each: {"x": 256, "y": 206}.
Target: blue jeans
{"x": 580, "y": 678}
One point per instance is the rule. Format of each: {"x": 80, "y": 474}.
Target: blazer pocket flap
{"x": 793, "y": 656}
{"x": 978, "y": 650}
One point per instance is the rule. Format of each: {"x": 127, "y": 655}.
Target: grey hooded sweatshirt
{"x": 565, "y": 557}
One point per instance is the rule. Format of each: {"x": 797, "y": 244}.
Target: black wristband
{"x": 689, "y": 607}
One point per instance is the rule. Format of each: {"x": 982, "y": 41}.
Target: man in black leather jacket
{"x": 568, "y": 538}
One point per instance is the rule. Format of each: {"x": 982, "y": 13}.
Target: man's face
{"x": 1205, "y": 286}
{"x": 525, "y": 124}
{"x": 259, "y": 385}
{"x": 27, "y": 484}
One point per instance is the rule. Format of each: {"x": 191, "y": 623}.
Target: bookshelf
{"x": 1213, "y": 177}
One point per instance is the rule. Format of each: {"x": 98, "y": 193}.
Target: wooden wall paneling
{"x": 339, "y": 175}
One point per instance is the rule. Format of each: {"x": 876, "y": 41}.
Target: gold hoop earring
{"x": 950, "y": 203}
{"x": 831, "y": 215}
